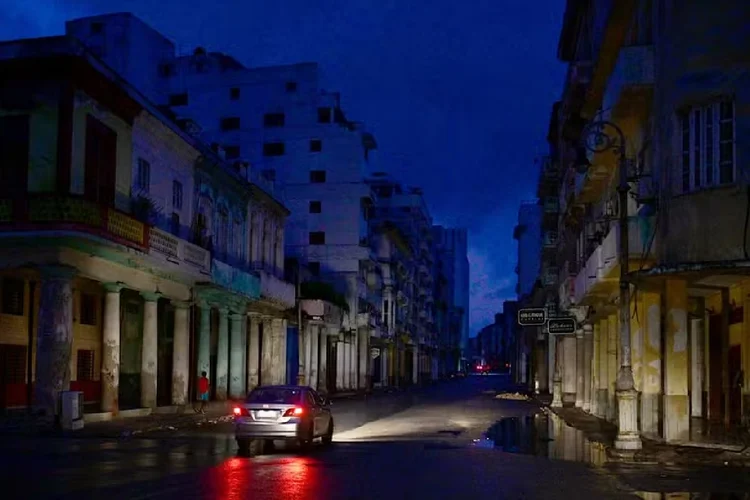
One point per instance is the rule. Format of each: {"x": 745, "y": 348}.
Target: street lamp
{"x": 598, "y": 138}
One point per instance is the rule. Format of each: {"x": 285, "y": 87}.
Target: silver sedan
{"x": 282, "y": 412}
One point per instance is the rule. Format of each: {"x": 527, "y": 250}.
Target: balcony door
{"x": 14, "y": 156}
{"x": 100, "y": 162}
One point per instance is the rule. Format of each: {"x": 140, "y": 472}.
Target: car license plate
{"x": 266, "y": 414}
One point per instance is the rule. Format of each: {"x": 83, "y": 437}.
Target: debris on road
{"x": 515, "y": 396}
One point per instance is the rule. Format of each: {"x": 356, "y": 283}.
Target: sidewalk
{"x": 217, "y": 412}
{"x": 653, "y": 452}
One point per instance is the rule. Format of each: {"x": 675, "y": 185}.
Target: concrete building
{"x": 449, "y": 316}
{"x": 681, "y": 364}
{"x": 280, "y": 129}
{"x": 118, "y": 228}
{"x": 528, "y": 233}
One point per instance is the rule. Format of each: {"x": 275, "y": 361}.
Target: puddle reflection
{"x": 545, "y": 436}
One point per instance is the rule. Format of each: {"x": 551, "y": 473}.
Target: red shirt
{"x": 202, "y": 385}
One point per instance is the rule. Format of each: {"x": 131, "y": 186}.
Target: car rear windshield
{"x": 275, "y": 395}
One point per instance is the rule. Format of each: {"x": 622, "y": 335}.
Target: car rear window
{"x": 274, "y": 395}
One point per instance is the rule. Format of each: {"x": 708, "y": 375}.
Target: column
{"x": 314, "y": 342}
{"x": 580, "y": 368}
{"x": 603, "y": 390}
{"x": 149, "y": 349}
{"x": 569, "y": 366}
{"x": 594, "y": 409}
{"x": 111, "y": 348}
{"x": 551, "y": 357}
{"x": 612, "y": 365}
{"x": 266, "y": 356}
{"x": 278, "y": 359}
{"x": 415, "y": 365}
{"x": 696, "y": 367}
{"x": 237, "y": 350}
{"x": 322, "y": 359}
{"x": 588, "y": 349}
{"x": 222, "y": 356}
{"x": 253, "y": 352}
{"x": 340, "y": 364}
{"x": 180, "y": 353}
{"x": 676, "y": 401}
{"x": 54, "y": 337}
{"x": 305, "y": 354}
{"x": 557, "y": 401}
{"x": 364, "y": 358}
{"x": 204, "y": 340}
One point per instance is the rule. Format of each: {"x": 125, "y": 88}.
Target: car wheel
{"x": 255, "y": 447}
{"x": 328, "y": 437}
{"x": 243, "y": 446}
{"x": 305, "y": 443}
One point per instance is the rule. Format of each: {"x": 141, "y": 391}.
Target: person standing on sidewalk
{"x": 203, "y": 387}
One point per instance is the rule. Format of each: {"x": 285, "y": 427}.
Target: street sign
{"x": 561, "y": 326}
{"x": 532, "y": 317}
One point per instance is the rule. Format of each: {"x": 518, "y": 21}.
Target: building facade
{"x": 679, "y": 364}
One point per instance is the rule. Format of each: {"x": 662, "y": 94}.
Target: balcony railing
{"x": 603, "y": 262}
{"x": 73, "y": 213}
{"x": 277, "y": 290}
{"x": 235, "y": 279}
{"x": 179, "y": 251}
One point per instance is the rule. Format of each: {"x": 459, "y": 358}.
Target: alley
{"x": 429, "y": 442}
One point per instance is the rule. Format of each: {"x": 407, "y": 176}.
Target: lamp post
{"x": 597, "y": 140}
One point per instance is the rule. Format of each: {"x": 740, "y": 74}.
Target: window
{"x": 314, "y": 268}
{"x": 275, "y": 395}
{"x": 166, "y": 70}
{"x": 317, "y": 238}
{"x": 707, "y": 145}
{"x": 291, "y": 87}
{"x": 316, "y": 207}
{"x": 317, "y": 176}
{"x": 97, "y": 28}
{"x": 84, "y": 365}
{"x": 143, "y": 176}
{"x": 12, "y": 291}
{"x": 324, "y": 115}
{"x": 271, "y": 120}
{"x": 177, "y": 195}
{"x": 178, "y": 99}
{"x": 87, "y": 309}
{"x": 14, "y": 155}
{"x": 316, "y": 146}
{"x": 234, "y": 93}
{"x": 230, "y": 123}
{"x": 273, "y": 149}
{"x": 13, "y": 363}
{"x": 174, "y": 224}
{"x": 231, "y": 152}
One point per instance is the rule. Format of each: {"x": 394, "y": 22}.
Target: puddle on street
{"x": 542, "y": 435}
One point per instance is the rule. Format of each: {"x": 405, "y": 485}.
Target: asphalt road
{"x": 451, "y": 441}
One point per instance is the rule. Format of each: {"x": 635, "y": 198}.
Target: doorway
{"x": 715, "y": 369}
{"x": 165, "y": 339}
{"x": 735, "y": 384}
{"x": 131, "y": 340}
{"x": 331, "y": 362}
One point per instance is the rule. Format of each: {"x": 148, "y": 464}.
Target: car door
{"x": 312, "y": 403}
{"x": 324, "y": 412}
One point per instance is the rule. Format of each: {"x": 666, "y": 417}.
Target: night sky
{"x": 457, "y": 94}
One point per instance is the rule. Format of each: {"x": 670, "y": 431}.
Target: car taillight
{"x": 240, "y": 412}
{"x": 294, "y": 412}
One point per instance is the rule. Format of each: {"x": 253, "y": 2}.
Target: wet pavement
{"x": 454, "y": 440}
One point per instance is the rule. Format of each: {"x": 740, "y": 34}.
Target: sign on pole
{"x": 532, "y": 317}
{"x": 561, "y": 326}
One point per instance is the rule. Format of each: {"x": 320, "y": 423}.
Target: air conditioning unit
{"x": 71, "y": 416}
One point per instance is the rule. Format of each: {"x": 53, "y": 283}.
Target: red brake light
{"x": 294, "y": 412}
{"x": 240, "y": 412}
{"x": 237, "y": 410}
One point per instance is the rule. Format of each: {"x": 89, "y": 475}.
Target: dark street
{"x": 431, "y": 443}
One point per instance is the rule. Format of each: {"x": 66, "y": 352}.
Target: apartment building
{"x": 126, "y": 268}
{"x": 674, "y": 111}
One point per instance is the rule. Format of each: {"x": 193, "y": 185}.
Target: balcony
{"x": 630, "y": 84}
{"x": 600, "y": 275}
{"x": 321, "y": 310}
{"x": 235, "y": 280}
{"x": 71, "y": 214}
{"x": 276, "y": 290}
{"x": 180, "y": 252}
